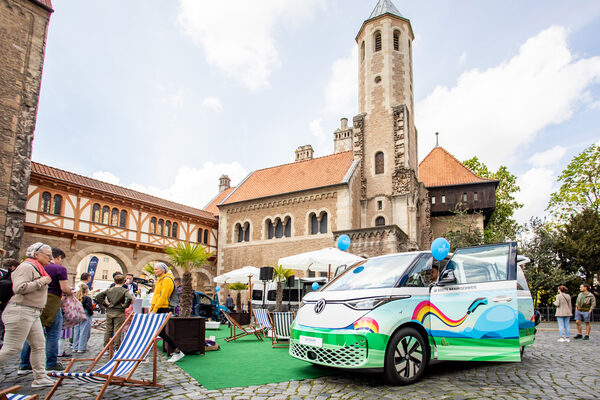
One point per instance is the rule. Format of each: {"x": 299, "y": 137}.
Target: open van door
{"x": 473, "y": 307}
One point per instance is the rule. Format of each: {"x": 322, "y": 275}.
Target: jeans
{"x": 81, "y": 334}
{"x": 563, "y": 326}
{"x": 52, "y": 336}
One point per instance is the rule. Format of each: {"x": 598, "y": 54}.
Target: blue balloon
{"x": 440, "y": 248}
{"x": 343, "y": 242}
{"x": 217, "y": 289}
{"x": 315, "y": 285}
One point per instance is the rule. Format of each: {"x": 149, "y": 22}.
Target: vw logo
{"x": 320, "y": 306}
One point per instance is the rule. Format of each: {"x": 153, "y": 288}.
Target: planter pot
{"x": 242, "y": 318}
{"x": 187, "y": 333}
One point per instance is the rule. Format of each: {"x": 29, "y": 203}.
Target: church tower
{"x": 385, "y": 137}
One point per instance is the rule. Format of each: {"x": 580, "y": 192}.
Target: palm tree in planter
{"x": 238, "y": 287}
{"x": 187, "y": 256}
{"x": 280, "y": 275}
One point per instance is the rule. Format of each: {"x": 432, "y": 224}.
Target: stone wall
{"x": 23, "y": 28}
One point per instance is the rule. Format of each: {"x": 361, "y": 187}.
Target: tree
{"x": 187, "y": 256}
{"x": 580, "y": 187}
{"x": 502, "y": 225}
{"x": 238, "y": 297}
{"x": 543, "y": 273}
{"x": 463, "y": 230}
{"x": 578, "y": 245}
{"x": 280, "y": 274}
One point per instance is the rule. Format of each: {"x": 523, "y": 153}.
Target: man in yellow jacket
{"x": 163, "y": 289}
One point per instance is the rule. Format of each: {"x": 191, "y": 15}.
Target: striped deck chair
{"x": 6, "y": 394}
{"x": 262, "y": 319}
{"x": 281, "y": 328}
{"x": 237, "y": 331}
{"x": 140, "y": 338}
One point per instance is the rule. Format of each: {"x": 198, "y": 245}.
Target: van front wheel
{"x": 406, "y": 357}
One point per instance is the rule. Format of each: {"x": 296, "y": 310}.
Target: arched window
{"x": 96, "y": 213}
{"x": 270, "y": 229}
{"x": 246, "y": 232}
{"x": 288, "y": 227}
{"x": 240, "y": 233}
{"x": 153, "y": 225}
{"x": 377, "y": 41}
{"x": 57, "y": 204}
{"x": 105, "y": 215}
{"x": 379, "y": 162}
{"x": 206, "y": 236}
{"x": 123, "y": 219}
{"x": 314, "y": 224}
{"x": 114, "y": 217}
{"x": 46, "y": 202}
{"x": 278, "y": 228}
{"x": 161, "y": 223}
{"x": 199, "y": 239}
{"x": 396, "y": 40}
{"x": 323, "y": 225}
{"x": 379, "y": 221}
{"x": 174, "y": 230}
{"x": 362, "y": 51}
{"x": 168, "y": 228}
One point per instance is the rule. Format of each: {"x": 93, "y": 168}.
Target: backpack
{"x": 6, "y": 288}
{"x": 174, "y": 297}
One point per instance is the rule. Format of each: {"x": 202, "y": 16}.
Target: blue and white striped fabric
{"x": 12, "y": 396}
{"x": 261, "y": 315}
{"x": 281, "y": 324}
{"x": 144, "y": 328}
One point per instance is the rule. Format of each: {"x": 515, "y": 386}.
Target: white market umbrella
{"x": 319, "y": 260}
{"x": 240, "y": 275}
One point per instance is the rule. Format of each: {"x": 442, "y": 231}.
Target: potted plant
{"x": 239, "y": 316}
{"x": 280, "y": 275}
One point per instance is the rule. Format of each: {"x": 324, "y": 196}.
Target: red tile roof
{"x": 294, "y": 177}
{"x": 65, "y": 176}
{"x": 212, "y": 206}
{"x": 441, "y": 168}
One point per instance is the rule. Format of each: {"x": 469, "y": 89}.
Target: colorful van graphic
{"x": 392, "y": 313}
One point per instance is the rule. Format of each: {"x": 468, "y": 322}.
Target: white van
{"x": 262, "y": 298}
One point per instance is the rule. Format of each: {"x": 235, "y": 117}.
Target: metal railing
{"x": 549, "y": 314}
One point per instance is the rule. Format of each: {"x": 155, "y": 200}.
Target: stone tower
{"x": 384, "y": 136}
{"x": 23, "y": 29}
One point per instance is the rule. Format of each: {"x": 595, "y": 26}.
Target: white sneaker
{"x": 43, "y": 382}
{"x": 561, "y": 339}
{"x": 567, "y": 340}
{"x": 23, "y": 371}
{"x": 176, "y": 357}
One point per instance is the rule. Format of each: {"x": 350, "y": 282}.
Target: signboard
{"x": 92, "y": 269}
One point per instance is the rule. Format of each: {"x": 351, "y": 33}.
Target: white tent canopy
{"x": 239, "y": 275}
{"x": 322, "y": 260}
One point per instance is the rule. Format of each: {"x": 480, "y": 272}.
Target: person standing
{"x": 119, "y": 299}
{"x": 131, "y": 285}
{"x": 6, "y": 291}
{"x": 81, "y": 332}
{"x": 163, "y": 289}
{"x": 22, "y": 314}
{"x": 51, "y": 315}
{"x": 564, "y": 311}
{"x": 584, "y": 306}
{"x": 229, "y": 302}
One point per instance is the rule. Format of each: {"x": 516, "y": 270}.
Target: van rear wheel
{"x": 406, "y": 357}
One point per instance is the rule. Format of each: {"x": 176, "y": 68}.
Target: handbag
{"x": 50, "y": 310}
{"x": 73, "y": 312}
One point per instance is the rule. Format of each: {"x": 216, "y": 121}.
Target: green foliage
{"x": 238, "y": 287}
{"x": 544, "y": 274}
{"x": 578, "y": 244}
{"x": 502, "y": 225}
{"x": 280, "y": 274}
{"x": 580, "y": 187}
{"x": 149, "y": 270}
{"x": 463, "y": 230}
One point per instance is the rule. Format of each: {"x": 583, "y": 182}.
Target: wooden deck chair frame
{"x": 7, "y": 394}
{"x": 99, "y": 324}
{"x": 110, "y": 378}
{"x": 260, "y": 321}
{"x": 246, "y": 330}
{"x": 277, "y": 339}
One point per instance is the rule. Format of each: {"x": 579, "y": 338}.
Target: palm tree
{"x": 187, "y": 256}
{"x": 238, "y": 298}
{"x": 280, "y": 274}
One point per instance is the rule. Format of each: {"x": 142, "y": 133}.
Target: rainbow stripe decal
{"x": 366, "y": 324}
{"x": 425, "y": 308}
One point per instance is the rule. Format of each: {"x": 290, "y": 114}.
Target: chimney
{"x": 224, "y": 183}
{"x": 304, "y": 153}
{"x": 342, "y": 137}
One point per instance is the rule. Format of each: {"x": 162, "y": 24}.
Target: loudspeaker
{"x": 266, "y": 273}
{"x": 290, "y": 281}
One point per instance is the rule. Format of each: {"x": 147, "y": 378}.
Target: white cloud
{"x": 214, "y": 103}
{"x": 594, "y": 106}
{"x": 174, "y": 97}
{"x": 463, "y": 58}
{"x": 492, "y": 113}
{"x": 316, "y": 129}
{"x": 536, "y": 186}
{"x": 548, "y": 158}
{"x": 106, "y": 177}
{"x": 238, "y": 35}
{"x": 341, "y": 92}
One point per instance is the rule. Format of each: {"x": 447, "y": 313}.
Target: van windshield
{"x": 374, "y": 273}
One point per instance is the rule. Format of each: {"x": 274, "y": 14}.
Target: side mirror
{"x": 447, "y": 278}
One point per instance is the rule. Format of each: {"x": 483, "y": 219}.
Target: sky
{"x": 166, "y": 96}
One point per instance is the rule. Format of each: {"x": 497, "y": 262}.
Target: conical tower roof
{"x": 385, "y": 7}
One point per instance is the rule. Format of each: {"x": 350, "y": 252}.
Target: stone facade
{"x": 23, "y": 29}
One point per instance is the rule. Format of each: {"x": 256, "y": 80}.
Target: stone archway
{"x": 203, "y": 281}
{"x": 154, "y": 257}
{"x": 120, "y": 257}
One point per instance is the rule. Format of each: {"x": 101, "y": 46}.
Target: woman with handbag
{"x": 22, "y": 314}
{"x": 564, "y": 311}
{"x": 81, "y": 332}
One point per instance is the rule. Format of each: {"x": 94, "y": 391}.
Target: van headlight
{"x": 368, "y": 303}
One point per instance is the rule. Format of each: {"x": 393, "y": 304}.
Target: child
{"x": 81, "y": 332}
{"x": 119, "y": 298}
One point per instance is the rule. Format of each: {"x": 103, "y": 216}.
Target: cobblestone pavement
{"x": 549, "y": 370}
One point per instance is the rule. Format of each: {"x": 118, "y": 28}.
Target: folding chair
{"x": 281, "y": 328}
{"x": 99, "y": 324}
{"x": 141, "y": 336}
{"x": 262, "y": 320}
{"x": 6, "y": 394}
{"x": 234, "y": 326}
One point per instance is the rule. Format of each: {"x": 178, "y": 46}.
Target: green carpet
{"x": 246, "y": 362}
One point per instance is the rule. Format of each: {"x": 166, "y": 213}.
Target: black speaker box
{"x": 266, "y": 273}
{"x": 290, "y": 281}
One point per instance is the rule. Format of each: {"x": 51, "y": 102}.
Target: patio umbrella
{"x": 240, "y": 275}
{"x": 319, "y": 260}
